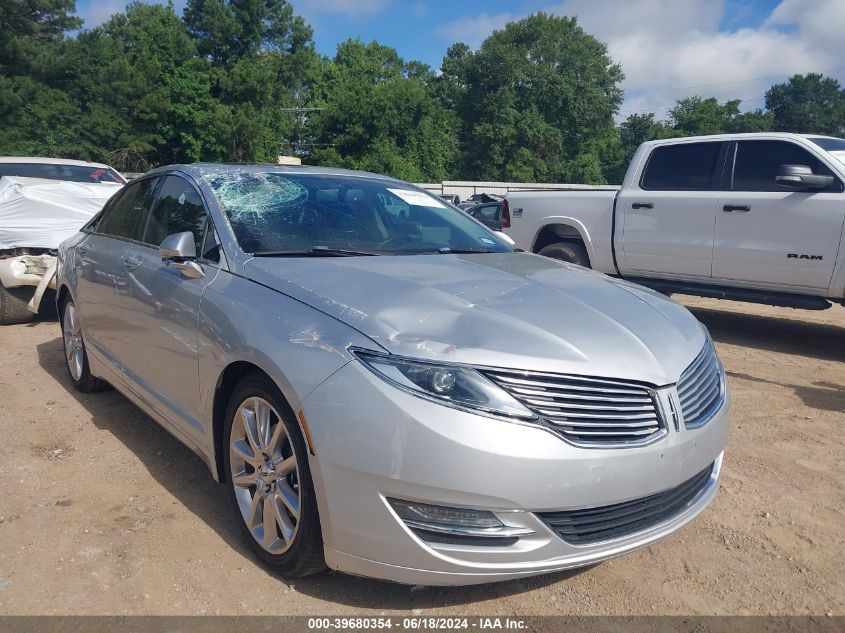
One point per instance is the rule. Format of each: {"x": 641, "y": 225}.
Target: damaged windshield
{"x": 284, "y": 214}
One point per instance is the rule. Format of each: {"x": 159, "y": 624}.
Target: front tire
{"x": 13, "y": 305}
{"x": 75, "y": 354}
{"x": 269, "y": 480}
{"x": 572, "y": 252}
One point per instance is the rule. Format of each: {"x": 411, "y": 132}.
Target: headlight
{"x": 452, "y": 385}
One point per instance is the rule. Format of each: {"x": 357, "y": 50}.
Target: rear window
{"x": 68, "y": 173}
{"x": 686, "y": 167}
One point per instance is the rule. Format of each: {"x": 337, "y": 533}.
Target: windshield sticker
{"x": 486, "y": 240}
{"x": 417, "y": 198}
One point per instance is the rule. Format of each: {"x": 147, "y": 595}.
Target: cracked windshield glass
{"x": 281, "y": 214}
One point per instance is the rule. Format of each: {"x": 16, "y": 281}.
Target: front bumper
{"x": 374, "y": 441}
{"x": 26, "y": 270}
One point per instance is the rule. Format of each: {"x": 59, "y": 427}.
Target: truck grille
{"x": 586, "y": 411}
{"x": 593, "y": 525}
{"x": 700, "y": 389}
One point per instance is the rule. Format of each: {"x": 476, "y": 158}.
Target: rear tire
{"x": 271, "y": 491}
{"x": 76, "y": 356}
{"x": 13, "y": 304}
{"x": 572, "y": 252}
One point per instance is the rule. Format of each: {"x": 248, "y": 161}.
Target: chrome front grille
{"x": 700, "y": 388}
{"x": 586, "y": 411}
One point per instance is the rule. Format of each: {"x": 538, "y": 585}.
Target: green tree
{"x": 536, "y": 102}
{"x": 35, "y": 114}
{"x": 262, "y": 65}
{"x": 378, "y": 114}
{"x": 695, "y": 116}
{"x": 29, "y": 26}
{"x": 809, "y": 103}
{"x": 140, "y": 85}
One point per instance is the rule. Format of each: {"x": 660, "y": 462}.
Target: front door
{"x": 159, "y": 309}
{"x": 668, "y": 216}
{"x": 767, "y": 234}
{"x": 121, "y": 224}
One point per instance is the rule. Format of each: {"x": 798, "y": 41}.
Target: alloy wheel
{"x": 74, "y": 347}
{"x": 265, "y": 475}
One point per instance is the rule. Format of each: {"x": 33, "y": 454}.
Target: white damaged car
{"x": 42, "y": 202}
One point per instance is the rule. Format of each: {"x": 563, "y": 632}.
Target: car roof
{"x": 734, "y": 137}
{"x": 205, "y": 170}
{"x": 40, "y": 160}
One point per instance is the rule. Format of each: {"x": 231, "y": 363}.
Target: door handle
{"x": 736, "y": 207}
{"x": 131, "y": 263}
{"x": 642, "y": 205}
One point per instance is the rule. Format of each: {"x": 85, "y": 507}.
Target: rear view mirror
{"x": 801, "y": 177}
{"x": 179, "y": 251}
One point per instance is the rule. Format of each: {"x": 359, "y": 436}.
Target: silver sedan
{"x": 384, "y": 385}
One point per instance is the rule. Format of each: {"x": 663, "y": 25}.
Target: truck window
{"x": 683, "y": 167}
{"x": 757, "y": 163}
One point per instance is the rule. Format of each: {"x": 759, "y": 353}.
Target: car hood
{"x": 514, "y": 310}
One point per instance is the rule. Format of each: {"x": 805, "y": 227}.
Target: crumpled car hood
{"x": 514, "y": 310}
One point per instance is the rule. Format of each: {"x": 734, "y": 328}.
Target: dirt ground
{"x": 102, "y": 512}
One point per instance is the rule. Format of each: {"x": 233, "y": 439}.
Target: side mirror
{"x": 801, "y": 178}
{"x": 179, "y": 251}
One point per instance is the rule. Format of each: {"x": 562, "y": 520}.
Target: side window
{"x": 683, "y": 167}
{"x": 127, "y": 215}
{"x": 487, "y": 212}
{"x": 178, "y": 208}
{"x": 210, "y": 246}
{"x": 757, "y": 163}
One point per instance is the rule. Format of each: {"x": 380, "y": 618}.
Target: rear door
{"x": 121, "y": 225}
{"x": 668, "y": 216}
{"x": 158, "y": 307}
{"x": 770, "y": 235}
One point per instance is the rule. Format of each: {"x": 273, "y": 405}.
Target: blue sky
{"x": 668, "y": 49}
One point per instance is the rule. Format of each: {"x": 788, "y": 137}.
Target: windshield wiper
{"x": 462, "y": 251}
{"x": 317, "y": 251}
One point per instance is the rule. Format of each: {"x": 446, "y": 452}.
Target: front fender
{"x": 298, "y": 346}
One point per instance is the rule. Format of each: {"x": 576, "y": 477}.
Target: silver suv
{"x": 384, "y": 385}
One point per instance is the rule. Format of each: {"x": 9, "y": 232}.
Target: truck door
{"x": 769, "y": 234}
{"x": 668, "y": 216}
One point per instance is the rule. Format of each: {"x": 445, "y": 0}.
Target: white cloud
{"x": 472, "y": 30}
{"x": 671, "y": 49}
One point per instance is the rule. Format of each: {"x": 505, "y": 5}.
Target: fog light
{"x": 456, "y": 526}
{"x": 445, "y": 516}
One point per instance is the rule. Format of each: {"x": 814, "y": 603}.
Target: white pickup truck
{"x": 750, "y": 217}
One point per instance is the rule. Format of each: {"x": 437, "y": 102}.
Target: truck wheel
{"x": 571, "y": 252}
{"x": 13, "y": 304}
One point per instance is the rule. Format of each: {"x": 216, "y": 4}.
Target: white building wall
{"x": 466, "y": 188}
